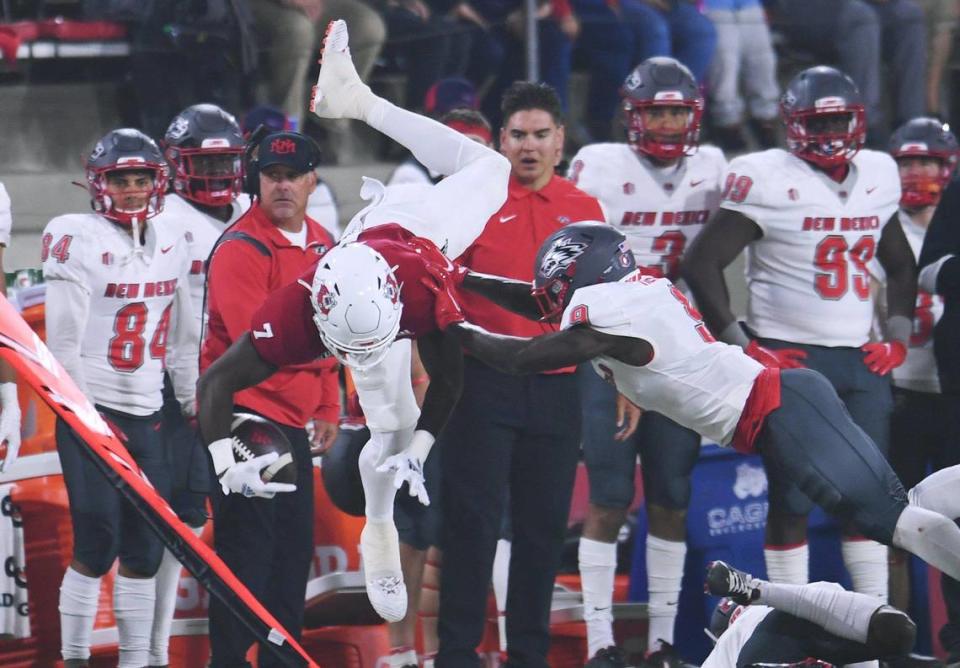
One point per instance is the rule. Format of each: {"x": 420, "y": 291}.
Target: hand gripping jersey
{"x": 660, "y": 210}
{"x": 133, "y": 295}
{"x": 807, "y": 276}
{"x": 919, "y": 371}
{"x": 694, "y": 380}
{"x": 201, "y": 232}
{"x": 288, "y": 315}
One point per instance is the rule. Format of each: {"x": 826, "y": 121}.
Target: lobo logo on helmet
{"x": 178, "y": 128}
{"x": 98, "y": 150}
{"x": 563, "y": 251}
{"x": 633, "y": 81}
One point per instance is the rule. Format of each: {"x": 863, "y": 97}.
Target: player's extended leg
{"x": 846, "y": 614}
{"x": 455, "y": 211}
{"x": 812, "y": 439}
{"x": 881, "y": 630}
{"x": 390, "y": 408}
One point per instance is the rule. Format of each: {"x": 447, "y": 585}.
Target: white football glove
{"x": 244, "y": 477}
{"x": 407, "y": 469}
{"x": 9, "y": 424}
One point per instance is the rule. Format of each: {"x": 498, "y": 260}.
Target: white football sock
{"x": 789, "y": 565}
{"x": 501, "y": 576}
{"x": 402, "y": 656}
{"x": 938, "y": 492}
{"x": 378, "y": 488}
{"x": 866, "y": 562}
{"x": 133, "y": 600}
{"x": 79, "y": 596}
{"x": 598, "y": 566}
{"x": 664, "y": 574}
{"x": 437, "y": 147}
{"x": 843, "y": 613}
{"x": 168, "y": 583}
{"x": 931, "y": 536}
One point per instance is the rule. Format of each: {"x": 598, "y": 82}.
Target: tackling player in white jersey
{"x": 658, "y": 189}
{"x": 116, "y": 296}
{"x": 9, "y": 404}
{"x": 811, "y": 219}
{"x": 640, "y": 333}
{"x": 204, "y": 147}
{"x": 925, "y": 429}
{"x": 817, "y": 625}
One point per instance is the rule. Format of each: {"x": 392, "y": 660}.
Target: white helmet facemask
{"x": 356, "y": 304}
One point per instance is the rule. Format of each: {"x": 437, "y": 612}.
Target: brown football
{"x": 259, "y": 436}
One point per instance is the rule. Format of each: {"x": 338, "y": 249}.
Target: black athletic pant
{"x": 268, "y": 544}
{"x": 516, "y": 433}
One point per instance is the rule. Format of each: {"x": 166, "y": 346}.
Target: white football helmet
{"x": 356, "y": 304}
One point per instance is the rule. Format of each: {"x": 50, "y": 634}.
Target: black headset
{"x": 251, "y": 164}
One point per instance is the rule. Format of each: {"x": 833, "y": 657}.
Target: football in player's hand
{"x": 258, "y": 436}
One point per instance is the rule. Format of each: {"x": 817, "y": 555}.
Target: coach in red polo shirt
{"x": 268, "y": 542}
{"x": 511, "y": 438}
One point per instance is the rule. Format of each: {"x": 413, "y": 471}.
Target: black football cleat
{"x": 608, "y": 657}
{"x": 725, "y": 580}
{"x": 665, "y": 657}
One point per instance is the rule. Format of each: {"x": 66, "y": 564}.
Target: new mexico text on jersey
{"x": 114, "y": 310}
{"x": 807, "y": 275}
{"x": 660, "y": 210}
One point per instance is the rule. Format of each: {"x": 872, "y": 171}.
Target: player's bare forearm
{"x": 896, "y": 256}
{"x": 238, "y": 368}
{"x": 7, "y": 374}
{"x": 443, "y": 361}
{"x": 518, "y": 355}
{"x": 509, "y": 293}
{"x": 720, "y": 242}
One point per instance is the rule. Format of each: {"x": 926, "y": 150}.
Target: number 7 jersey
{"x": 807, "y": 275}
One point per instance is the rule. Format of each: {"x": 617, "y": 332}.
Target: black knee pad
{"x": 144, "y": 563}
{"x": 892, "y": 632}
{"x": 340, "y": 470}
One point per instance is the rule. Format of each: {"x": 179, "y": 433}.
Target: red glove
{"x": 882, "y": 358}
{"x": 446, "y": 310}
{"x": 432, "y": 257}
{"x": 783, "y": 358}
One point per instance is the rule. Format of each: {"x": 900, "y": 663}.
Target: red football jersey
{"x": 283, "y": 331}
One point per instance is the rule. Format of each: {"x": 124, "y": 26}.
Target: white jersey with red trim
{"x": 919, "y": 370}
{"x": 6, "y": 218}
{"x": 659, "y": 209}
{"x": 201, "y": 232}
{"x": 692, "y": 379}
{"x": 807, "y": 275}
{"x": 110, "y": 306}
{"x": 743, "y": 622}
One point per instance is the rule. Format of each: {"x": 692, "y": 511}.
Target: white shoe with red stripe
{"x": 339, "y": 92}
